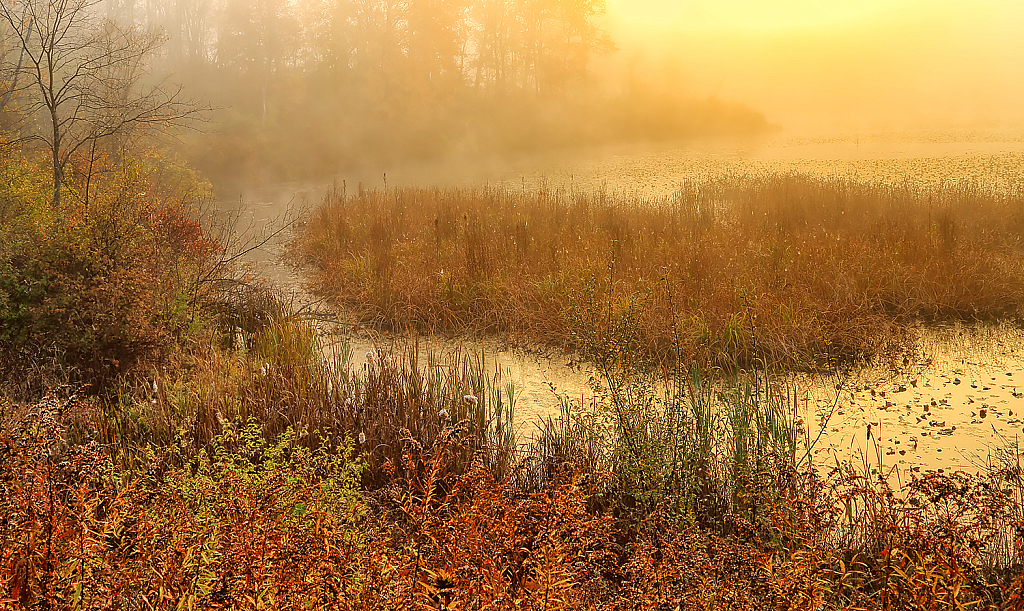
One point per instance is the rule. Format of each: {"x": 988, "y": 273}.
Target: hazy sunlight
{"x": 747, "y": 14}
{"x": 839, "y": 65}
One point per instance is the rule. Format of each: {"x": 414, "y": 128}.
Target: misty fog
{"x": 832, "y": 68}
{"x": 314, "y": 90}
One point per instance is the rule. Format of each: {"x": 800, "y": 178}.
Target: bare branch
{"x": 87, "y": 73}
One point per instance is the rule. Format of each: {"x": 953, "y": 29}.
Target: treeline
{"x": 494, "y": 45}
{"x": 310, "y": 87}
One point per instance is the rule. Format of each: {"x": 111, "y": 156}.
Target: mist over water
{"x": 431, "y": 92}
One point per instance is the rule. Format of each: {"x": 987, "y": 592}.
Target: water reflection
{"x": 541, "y": 378}
{"x": 952, "y": 406}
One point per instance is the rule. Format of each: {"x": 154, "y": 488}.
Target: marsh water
{"x": 953, "y": 405}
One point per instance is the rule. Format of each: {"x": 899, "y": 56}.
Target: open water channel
{"x": 954, "y": 405}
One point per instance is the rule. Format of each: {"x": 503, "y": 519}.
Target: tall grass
{"x": 260, "y": 522}
{"x": 698, "y": 443}
{"x": 816, "y": 265}
{"x": 274, "y": 471}
{"x": 262, "y": 469}
{"x": 278, "y": 374}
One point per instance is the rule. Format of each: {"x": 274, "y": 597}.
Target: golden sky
{"x": 836, "y": 64}
{"x": 746, "y": 14}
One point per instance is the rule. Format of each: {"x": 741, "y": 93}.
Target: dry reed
{"x": 807, "y": 266}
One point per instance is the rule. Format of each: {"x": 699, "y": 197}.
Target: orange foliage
{"x": 258, "y": 529}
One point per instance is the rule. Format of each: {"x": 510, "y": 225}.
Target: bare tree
{"x": 84, "y": 79}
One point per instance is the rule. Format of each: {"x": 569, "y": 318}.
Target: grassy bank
{"x": 173, "y": 435}
{"x": 784, "y": 268}
{"x": 292, "y": 487}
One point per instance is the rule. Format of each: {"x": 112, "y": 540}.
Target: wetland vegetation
{"x": 175, "y": 434}
{"x": 197, "y": 446}
{"x": 786, "y": 269}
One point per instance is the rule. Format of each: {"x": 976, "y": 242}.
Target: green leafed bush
{"x": 101, "y": 285}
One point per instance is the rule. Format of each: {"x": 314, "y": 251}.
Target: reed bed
{"x": 721, "y": 520}
{"x": 264, "y": 470}
{"x": 809, "y": 267}
{"x": 236, "y": 463}
{"x": 279, "y": 377}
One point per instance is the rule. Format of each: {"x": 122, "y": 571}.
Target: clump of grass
{"x": 276, "y": 373}
{"x": 810, "y": 265}
{"x": 694, "y": 458}
{"x": 697, "y": 443}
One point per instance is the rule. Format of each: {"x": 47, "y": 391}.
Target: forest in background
{"x": 310, "y": 88}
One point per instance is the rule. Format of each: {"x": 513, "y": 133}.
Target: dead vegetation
{"x": 806, "y": 266}
{"x": 245, "y": 523}
{"x": 251, "y": 468}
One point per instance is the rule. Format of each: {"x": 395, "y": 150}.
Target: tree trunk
{"x": 58, "y": 167}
